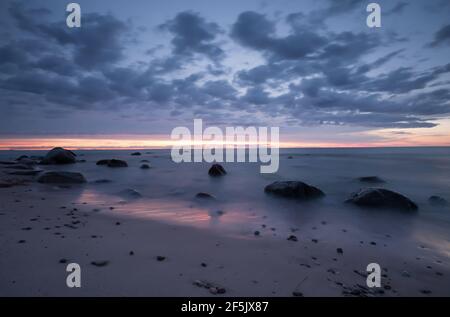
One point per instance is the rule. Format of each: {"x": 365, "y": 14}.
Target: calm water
{"x": 168, "y": 191}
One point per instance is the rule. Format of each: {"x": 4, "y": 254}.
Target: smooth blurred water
{"x": 168, "y": 192}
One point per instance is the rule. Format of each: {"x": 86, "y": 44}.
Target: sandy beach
{"x": 163, "y": 241}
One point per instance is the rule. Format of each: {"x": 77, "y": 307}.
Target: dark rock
{"x": 103, "y": 162}
{"x": 57, "y": 177}
{"x": 59, "y": 155}
{"x": 294, "y": 189}
{"x": 437, "y": 201}
{"x": 382, "y": 198}
{"x": 217, "y": 170}
{"x": 204, "y": 195}
{"x": 371, "y": 179}
{"x": 340, "y": 251}
{"x": 256, "y": 233}
{"x": 102, "y": 181}
{"x": 297, "y": 294}
{"x": 145, "y": 166}
{"x": 100, "y": 263}
{"x": 136, "y": 154}
{"x": 117, "y": 163}
{"x": 112, "y": 163}
{"x": 203, "y": 264}
{"x": 292, "y": 238}
{"x": 160, "y": 258}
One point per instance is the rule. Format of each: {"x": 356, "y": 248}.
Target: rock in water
{"x": 294, "y": 189}
{"x": 204, "y": 195}
{"x": 103, "y": 162}
{"x": 437, "y": 201}
{"x": 112, "y": 163}
{"x": 371, "y": 179}
{"x": 382, "y": 198}
{"x": 61, "y": 178}
{"x": 59, "y": 155}
{"x": 217, "y": 170}
{"x": 145, "y": 166}
{"x": 136, "y": 154}
{"x": 117, "y": 163}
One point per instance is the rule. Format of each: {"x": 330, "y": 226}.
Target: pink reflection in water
{"x": 173, "y": 210}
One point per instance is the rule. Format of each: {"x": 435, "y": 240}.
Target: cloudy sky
{"x": 136, "y": 69}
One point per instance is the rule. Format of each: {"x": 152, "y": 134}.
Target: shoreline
{"x": 256, "y": 266}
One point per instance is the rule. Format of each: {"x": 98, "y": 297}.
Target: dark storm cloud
{"x": 192, "y": 34}
{"x": 309, "y": 75}
{"x": 442, "y": 37}
{"x": 255, "y": 31}
{"x": 97, "y": 43}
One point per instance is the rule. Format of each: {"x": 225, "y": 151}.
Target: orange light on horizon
{"x": 157, "y": 142}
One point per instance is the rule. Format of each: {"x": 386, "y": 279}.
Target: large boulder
{"x": 59, "y": 155}
{"x": 57, "y": 177}
{"x": 217, "y": 170}
{"x": 382, "y": 198}
{"x": 294, "y": 189}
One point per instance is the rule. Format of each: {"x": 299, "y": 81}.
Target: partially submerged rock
{"x": 437, "y": 201}
{"x": 204, "y": 195}
{"x": 113, "y": 163}
{"x": 382, "y": 198}
{"x": 58, "y": 177}
{"x": 103, "y": 162}
{"x": 294, "y": 189}
{"x": 100, "y": 263}
{"x": 145, "y": 166}
{"x": 117, "y": 163}
{"x": 371, "y": 179}
{"x": 217, "y": 170}
{"x": 59, "y": 155}
{"x": 136, "y": 154}
{"x": 25, "y": 160}
{"x": 102, "y": 181}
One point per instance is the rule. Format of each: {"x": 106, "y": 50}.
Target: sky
{"x": 135, "y": 70}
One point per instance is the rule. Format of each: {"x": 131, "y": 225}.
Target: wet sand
{"x": 45, "y": 227}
